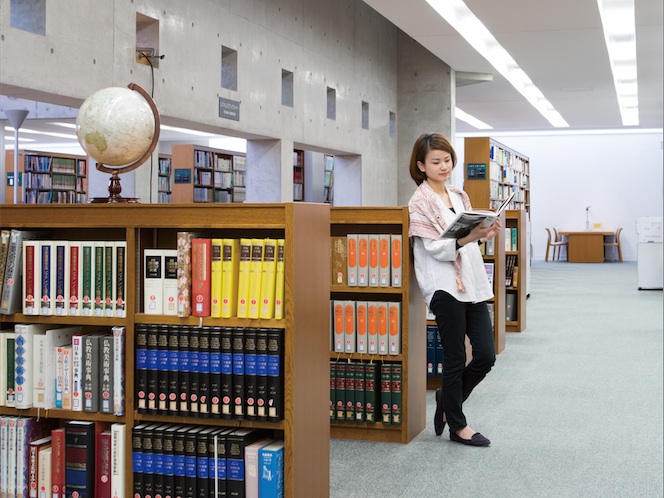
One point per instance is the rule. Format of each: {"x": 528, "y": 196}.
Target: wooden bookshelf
{"x": 392, "y": 220}
{"x": 48, "y": 178}
{"x": 516, "y": 219}
{"x": 493, "y": 171}
{"x": 203, "y": 174}
{"x": 305, "y": 228}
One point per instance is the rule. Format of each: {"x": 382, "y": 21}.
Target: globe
{"x": 119, "y": 128}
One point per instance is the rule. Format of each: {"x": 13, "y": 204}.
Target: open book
{"x": 466, "y": 221}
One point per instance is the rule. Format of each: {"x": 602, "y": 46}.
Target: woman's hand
{"x": 482, "y": 233}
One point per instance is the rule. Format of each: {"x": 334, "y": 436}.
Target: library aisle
{"x": 573, "y": 407}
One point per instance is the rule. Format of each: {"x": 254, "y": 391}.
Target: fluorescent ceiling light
{"x": 20, "y": 139}
{"x": 64, "y": 125}
{"x": 47, "y": 133}
{"x": 459, "y": 16}
{"x": 620, "y": 38}
{"x": 187, "y": 131}
{"x": 471, "y": 120}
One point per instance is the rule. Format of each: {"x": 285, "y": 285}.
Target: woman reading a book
{"x": 451, "y": 275}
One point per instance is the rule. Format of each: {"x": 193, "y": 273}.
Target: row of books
{"x": 366, "y": 260}
{"x": 197, "y": 462}
{"x": 217, "y": 372}
{"x": 220, "y": 278}
{"x": 47, "y": 164}
{"x": 366, "y": 392}
{"x": 511, "y": 239}
{"x": 81, "y": 459}
{"x": 49, "y": 367}
{"x": 488, "y": 248}
{"x": 511, "y": 271}
{"x": 434, "y": 352}
{"x": 372, "y": 327}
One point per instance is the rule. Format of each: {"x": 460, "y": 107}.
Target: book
{"x": 271, "y": 462}
{"x": 10, "y": 298}
{"x": 103, "y": 465}
{"x": 236, "y": 442}
{"x": 79, "y": 458}
{"x": 98, "y": 279}
{"x": 395, "y": 259}
{"x": 87, "y": 270}
{"x": 61, "y": 276}
{"x": 28, "y": 429}
{"x": 90, "y": 372}
{"x": 255, "y": 277}
{"x": 173, "y": 368}
{"x": 338, "y": 325}
{"x": 183, "y": 371}
{"x": 47, "y": 277}
{"x": 44, "y": 481}
{"x": 44, "y": 385}
{"x": 261, "y": 374}
{"x": 339, "y": 260}
{"x": 384, "y": 260}
{"x": 244, "y": 277}
{"x": 118, "y": 370}
{"x": 396, "y": 394}
{"x": 386, "y": 393}
{"x": 226, "y": 376}
{"x": 153, "y": 281}
{"x": 31, "y": 277}
{"x": 120, "y": 280}
{"x": 238, "y": 395}
{"x": 58, "y": 462}
{"x": 66, "y": 377}
{"x": 362, "y": 260}
{"x": 5, "y": 237}
{"x": 141, "y": 367}
{"x": 372, "y": 327}
{"x": 118, "y": 467}
{"x": 24, "y": 359}
{"x": 361, "y": 322}
{"x": 215, "y": 278}
{"x": 275, "y": 374}
{"x": 215, "y": 372}
{"x": 201, "y": 279}
{"x": 170, "y": 287}
{"x": 351, "y": 259}
{"x": 5, "y": 362}
{"x": 465, "y": 221}
{"x": 204, "y": 371}
{"x": 382, "y": 324}
{"x": 106, "y": 372}
{"x": 250, "y": 373}
{"x": 280, "y": 284}
{"x": 394, "y": 327}
{"x": 268, "y": 279}
{"x": 75, "y": 284}
{"x": 359, "y": 393}
{"x": 350, "y": 334}
{"x": 252, "y": 467}
{"x": 374, "y": 254}
{"x": 184, "y": 272}
{"x": 230, "y": 263}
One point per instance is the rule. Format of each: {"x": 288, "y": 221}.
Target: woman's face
{"x": 437, "y": 165}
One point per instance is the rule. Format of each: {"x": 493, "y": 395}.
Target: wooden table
{"x": 586, "y": 246}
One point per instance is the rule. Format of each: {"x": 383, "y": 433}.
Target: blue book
{"x": 271, "y": 470}
{"x": 79, "y": 458}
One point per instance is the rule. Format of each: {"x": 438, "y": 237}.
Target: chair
{"x": 552, "y": 242}
{"x": 614, "y": 243}
{"x": 559, "y": 238}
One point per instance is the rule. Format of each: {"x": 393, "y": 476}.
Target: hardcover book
{"x": 362, "y": 310}
{"x": 118, "y": 467}
{"x": 103, "y": 465}
{"x": 280, "y": 284}
{"x": 236, "y": 442}
{"x": 23, "y": 359}
{"x": 201, "y": 279}
{"x": 215, "y": 278}
{"x": 275, "y": 374}
{"x": 58, "y": 462}
{"x": 374, "y": 267}
{"x": 79, "y": 459}
{"x": 394, "y": 310}
{"x": 31, "y": 277}
{"x": 120, "y": 282}
{"x": 61, "y": 276}
{"x": 383, "y": 327}
{"x": 338, "y": 324}
{"x": 44, "y": 386}
{"x": 396, "y": 395}
{"x": 87, "y": 270}
{"x": 384, "y": 260}
{"x": 271, "y": 461}
{"x": 339, "y": 260}
{"x": 395, "y": 259}
{"x": 351, "y": 259}
{"x": 244, "y": 272}
{"x": 350, "y": 335}
{"x": 109, "y": 279}
{"x": 10, "y": 298}
{"x": 465, "y": 221}
{"x": 153, "y": 281}
{"x": 141, "y": 367}
{"x": 362, "y": 260}
{"x": 238, "y": 374}
{"x": 75, "y": 284}
{"x": 170, "y": 288}
{"x": 255, "y": 277}
{"x": 268, "y": 279}
{"x": 47, "y": 277}
{"x": 229, "y": 278}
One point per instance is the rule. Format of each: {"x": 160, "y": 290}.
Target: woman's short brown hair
{"x": 424, "y": 143}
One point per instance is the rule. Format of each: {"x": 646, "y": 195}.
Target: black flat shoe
{"x": 438, "y": 422}
{"x": 476, "y": 440}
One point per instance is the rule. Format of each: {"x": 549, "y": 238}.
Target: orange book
{"x": 351, "y": 251}
{"x": 394, "y": 310}
{"x": 362, "y": 260}
{"x": 338, "y": 326}
{"x": 372, "y": 327}
{"x": 361, "y": 313}
{"x": 373, "y": 260}
{"x": 349, "y": 327}
{"x": 383, "y": 324}
{"x": 395, "y": 258}
{"x": 384, "y": 260}
{"x": 201, "y": 280}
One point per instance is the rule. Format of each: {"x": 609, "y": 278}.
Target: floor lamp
{"x": 16, "y": 118}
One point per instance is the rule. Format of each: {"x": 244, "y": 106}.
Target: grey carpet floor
{"x": 573, "y": 406}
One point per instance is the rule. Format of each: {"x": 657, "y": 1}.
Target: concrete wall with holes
{"x": 344, "y": 46}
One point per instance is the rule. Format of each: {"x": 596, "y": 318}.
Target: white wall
{"x": 619, "y": 175}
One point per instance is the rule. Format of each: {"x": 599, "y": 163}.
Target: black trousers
{"x": 455, "y": 320}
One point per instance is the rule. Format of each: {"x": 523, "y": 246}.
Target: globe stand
{"x": 114, "y": 190}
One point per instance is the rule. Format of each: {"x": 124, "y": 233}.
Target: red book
{"x": 103, "y": 465}
{"x": 58, "y": 462}
{"x": 201, "y": 268}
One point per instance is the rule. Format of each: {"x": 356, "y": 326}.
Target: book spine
{"x": 58, "y": 462}
{"x": 201, "y": 279}
{"x": 386, "y": 393}
{"x": 384, "y": 260}
{"x": 395, "y": 259}
{"x": 361, "y": 326}
{"x": 226, "y": 373}
{"x": 170, "y": 289}
{"x": 147, "y": 462}
{"x": 382, "y": 326}
{"x": 204, "y": 371}
{"x": 244, "y": 271}
{"x": 31, "y": 257}
{"x": 103, "y": 465}
{"x": 106, "y": 374}
{"x": 75, "y": 279}
{"x": 168, "y": 477}
{"x": 153, "y": 282}
{"x": 173, "y": 369}
{"x": 90, "y": 373}
{"x": 184, "y": 273}
{"x": 255, "y": 277}
{"x": 394, "y": 310}
{"x": 194, "y": 375}
{"x": 216, "y": 278}
{"x": 349, "y": 408}
{"x": 157, "y": 461}
{"x": 162, "y": 370}
{"x": 179, "y": 471}
{"x": 66, "y": 378}
{"x": 79, "y": 459}
{"x": 370, "y": 391}
{"x": 183, "y": 371}
{"x": 10, "y": 301}
{"x": 351, "y": 259}
{"x": 98, "y": 280}
{"x": 118, "y": 467}
{"x": 372, "y": 327}
{"x": 87, "y": 278}
{"x": 190, "y": 464}
{"x": 118, "y": 370}
{"x": 350, "y": 334}
{"x": 268, "y": 279}
{"x": 40, "y": 376}
{"x": 141, "y": 369}
{"x": 250, "y": 373}
{"x": 280, "y": 277}
{"x": 396, "y": 395}
{"x": 152, "y": 372}
{"x": 373, "y": 260}
{"x": 230, "y": 268}
{"x": 275, "y": 375}
{"x": 271, "y": 461}
{"x": 11, "y": 371}
{"x": 202, "y": 466}
{"x": 47, "y": 268}
{"x": 61, "y": 274}
{"x": 109, "y": 279}
{"x": 238, "y": 374}
{"x": 120, "y": 283}
{"x": 339, "y": 260}
{"x": 362, "y": 260}
{"x": 137, "y": 460}
{"x": 338, "y": 325}
{"x": 44, "y": 481}
{"x": 24, "y": 356}
{"x": 215, "y": 372}
{"x": 359, "y": 393}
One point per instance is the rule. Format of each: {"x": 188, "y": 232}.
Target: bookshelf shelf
{"x": 515, "y": 292}
{"x": 305, "y": 427}
{"x": 387, "y": 220}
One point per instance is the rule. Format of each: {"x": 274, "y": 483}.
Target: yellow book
{"x": 215, "y": 279}
{"x": 268, "y": 280}
{"x": 255, "y": 277}
{"x": 280, "y": 280}
{"x": 230, "y": 261}
{"x": 243, "y": 279}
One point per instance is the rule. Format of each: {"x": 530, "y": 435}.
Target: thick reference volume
{"x": 467, "y": 220}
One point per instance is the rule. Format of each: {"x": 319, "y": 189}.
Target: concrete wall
{"x": 344, "y": 45}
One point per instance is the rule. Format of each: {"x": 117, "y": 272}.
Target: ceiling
{"x": 558, "y": 43}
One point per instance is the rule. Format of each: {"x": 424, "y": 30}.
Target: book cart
{"x": 391, "y": 220}
{"x": 305, "y": 228}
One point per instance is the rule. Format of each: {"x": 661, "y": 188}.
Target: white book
{"x": 75, "y": 281}
{"x": 66, "y": 378}
{"x": 465, "y": 221}
{"x": 47, "y": 280}
{"x": 12, "y": 434}
{"x": 9, "y": 394}
{"x": 24, "y": 360}
{"x": 77, "y": 372}
{"x": 44, "y": 389}
{"x": 251, "y": 467}
{"x": 118, "y": 470}
{"x": 120, "y": 274}
{"x": 39, "y": 373}
{"x": 31, "y": 277}
{"x": 170, "y": 287}
{"x": 118, "y": 370}
{"x": 44, "y": 477}
{"x": 153, "y": 281}
{"x": 61, "y": 276}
